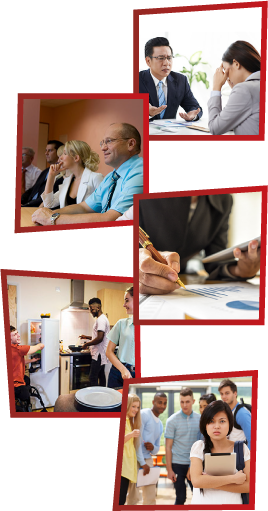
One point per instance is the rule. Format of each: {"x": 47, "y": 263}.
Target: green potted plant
{"x": 192, "y": 74}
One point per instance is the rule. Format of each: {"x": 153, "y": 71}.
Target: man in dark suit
{"x": 167, "y": 90}
{"x": 32, "y": 196}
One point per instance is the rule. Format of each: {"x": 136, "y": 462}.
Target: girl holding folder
{"x": 131, "y": 444}
{"x": 216, "y": 423}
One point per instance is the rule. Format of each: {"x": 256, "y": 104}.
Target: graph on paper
{"x": 215, "y": 293}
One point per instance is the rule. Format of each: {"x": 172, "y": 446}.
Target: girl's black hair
{"x": 209, "y": 398}
{"x": 206, "y": 417}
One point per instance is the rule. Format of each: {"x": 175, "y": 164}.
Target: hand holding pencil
{"x": 158, "y": 271}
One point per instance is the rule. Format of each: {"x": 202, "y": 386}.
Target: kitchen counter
{"x": 74, "y": 353}
{"x": 67, "y": 403}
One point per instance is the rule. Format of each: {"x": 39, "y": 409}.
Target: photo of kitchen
{"x": 187, "y": 440}
{"x": 69, "y": 342}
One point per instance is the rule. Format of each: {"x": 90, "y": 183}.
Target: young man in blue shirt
{"x": 181, "y": 433}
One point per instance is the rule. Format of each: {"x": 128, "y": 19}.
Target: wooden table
{"x": 67, "y": 403}
{"x": 26, "y": 217}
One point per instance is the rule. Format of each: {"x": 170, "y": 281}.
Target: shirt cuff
{"x": 225, "y": 272}
{"x": 215, "y": 93}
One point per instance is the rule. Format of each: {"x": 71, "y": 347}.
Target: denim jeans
{"x": 179, "y": 485}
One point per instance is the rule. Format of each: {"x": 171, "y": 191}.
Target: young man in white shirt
{"x": 98, "y": 344}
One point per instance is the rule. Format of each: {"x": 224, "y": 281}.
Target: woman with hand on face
{"x": 122, "y": 335}
{"x": 131, "y": 445}
{"x": 216, "y": 423}
{"x": 80, "y": 164}
{"x": 240, "y": 67}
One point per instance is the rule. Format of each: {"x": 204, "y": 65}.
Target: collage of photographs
{"x": 148, "y": 175}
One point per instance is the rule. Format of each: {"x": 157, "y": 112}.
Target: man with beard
{"x": 242, "y": 415}
{"x": 98, "y": 344}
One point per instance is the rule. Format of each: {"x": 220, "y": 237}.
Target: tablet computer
{"x": 220, "y": 464}
{"x": 227, "y": 255}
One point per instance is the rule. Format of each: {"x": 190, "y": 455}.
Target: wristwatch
{"x": 53, "y": 218}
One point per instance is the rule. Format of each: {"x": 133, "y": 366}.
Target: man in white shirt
{"x": 98, "y": 345}
{"x": 29, "y": 173}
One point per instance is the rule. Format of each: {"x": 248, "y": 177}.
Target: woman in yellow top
{"x": 131, "y": 444}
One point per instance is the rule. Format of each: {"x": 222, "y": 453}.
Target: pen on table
{"x": 146, "y": 243}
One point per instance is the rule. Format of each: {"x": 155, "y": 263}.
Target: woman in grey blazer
{"x": 241, "y": 69}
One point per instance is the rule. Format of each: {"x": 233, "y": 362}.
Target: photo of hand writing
{"x": 191, "y": 275}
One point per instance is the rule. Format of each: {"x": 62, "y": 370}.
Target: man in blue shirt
{"x": 181, "y": 433}
{"x": 242, "y": 424}
{"x": 114, "y": 196}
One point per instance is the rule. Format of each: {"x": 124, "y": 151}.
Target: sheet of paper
{"x": 229, "y": 300}
{"x": 170, "y": 123}
{"x": 150, "y": 478}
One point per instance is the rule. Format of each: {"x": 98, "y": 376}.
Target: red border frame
{"x": 4, "y": 274}
{"x": 260, "y": 321}
{"x": 221, "y": 375}
{"x": 213, "y": 7}
{"x": 145, "y": 144}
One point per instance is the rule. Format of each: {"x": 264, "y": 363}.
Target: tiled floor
{"x": 166, "y": 493}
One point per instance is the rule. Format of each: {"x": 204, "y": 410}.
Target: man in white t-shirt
{"x": 98, "y": 344}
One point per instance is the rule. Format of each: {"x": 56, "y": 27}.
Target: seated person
{"x": 167, "y": 90}
{"x": 18, "y": 352}
{"x": 32, "y": 197}
{"x": 82, "y": 179}
{"x": 114, "y": 196}
{"x": 29, "y": 172}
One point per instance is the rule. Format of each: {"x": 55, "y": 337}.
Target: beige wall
{"x": 31, "y": 113}
{"x": 88, "y": 119}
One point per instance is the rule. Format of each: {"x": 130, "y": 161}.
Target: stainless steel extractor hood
{"x": 77, "y": 296}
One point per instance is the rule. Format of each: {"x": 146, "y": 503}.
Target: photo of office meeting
{"x": 187, "y": 442}
{"x": 91, "y": 152}
{"x": 199, "y": 256}
{"x": 204, "y": 81}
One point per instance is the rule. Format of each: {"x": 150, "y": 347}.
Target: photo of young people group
{"x": 222, "y": 426}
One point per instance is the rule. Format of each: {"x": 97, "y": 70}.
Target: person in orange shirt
{"x": 22, "y": 387}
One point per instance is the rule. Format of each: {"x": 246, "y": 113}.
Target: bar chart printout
{"x": 215, "y": 301}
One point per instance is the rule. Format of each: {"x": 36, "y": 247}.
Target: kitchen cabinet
{"x": 112, "y": 304}
{"x": 65, "y": 374}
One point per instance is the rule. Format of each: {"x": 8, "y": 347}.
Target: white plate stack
{"x": 99, "y": 397}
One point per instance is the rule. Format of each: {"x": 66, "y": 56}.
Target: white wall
{"x": 208, "y": 31}
{"x": 37, "y": 296}
{"x": 245, "y": 219}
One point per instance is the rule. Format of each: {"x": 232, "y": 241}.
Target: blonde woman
{"x": 131, "y": 445}
{"x": 81, "y": 165}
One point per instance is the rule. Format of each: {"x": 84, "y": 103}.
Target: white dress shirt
{"x": 164, "y": 87}
{"x": 31, "y": 175}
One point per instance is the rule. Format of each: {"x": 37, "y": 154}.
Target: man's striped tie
{"x": 115, "y": 176}
{"x": 161, "y": 98}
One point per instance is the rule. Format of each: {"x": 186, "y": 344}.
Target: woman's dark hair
{"x": 152, "y": 43}
{"x": 206, "y": 417}
{"x": 129, "y": 290}
{"x": 245, "y": 54}
{"x": 209, "y": 398}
